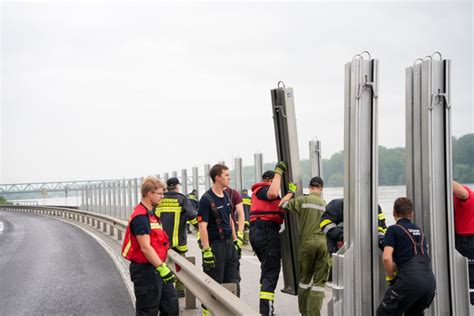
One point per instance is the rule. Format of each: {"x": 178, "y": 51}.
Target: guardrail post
{"x": 129, "y": 194}
{"x": 190, "y": 298}
{"x": 135, "y": 191}
{"x": 124, "y": 200}
{"x": 184, "y": 181}
{"x": 238, "y": 174}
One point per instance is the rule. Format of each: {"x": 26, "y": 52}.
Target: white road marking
{"x": 1, "y": 227}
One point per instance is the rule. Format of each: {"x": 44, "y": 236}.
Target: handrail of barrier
{"x": 214, "y": 296}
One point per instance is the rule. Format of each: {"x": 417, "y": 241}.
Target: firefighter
{"x": 332, "y": 224}
{"x": 194, "y": 198}
{"x": 238, "y": 216}
{"x": 146, "y": 246}
{"x": 174, "y": 210}
{"x": 247, "y": 202}
{"x": 266, "y": 216}
{"x": 219, "y": 254}
{"x": 407, "y": 265}
{"x": 313, "y": 252}
{"x": 464, "y": 227}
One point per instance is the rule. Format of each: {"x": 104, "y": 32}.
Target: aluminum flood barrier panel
{"x": 258, "y": 164}
{"x": 238, "y": 174}
{"x": 284, "y": 119}
{"x": 429, "y": 178}
{"x": 315, "y": 158}
{"x": 357, "y": 287}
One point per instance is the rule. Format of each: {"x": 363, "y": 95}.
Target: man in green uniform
{"x": 313, "y": 252}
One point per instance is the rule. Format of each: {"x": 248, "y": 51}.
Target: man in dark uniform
{"x": 219, "y": 254}
{"x": 174, "y": 211}
{"x": 332, "y": 224}
{"x": 407, "y": 265}
{"x": 247, "y": 201}
{"x": 266, "y": 216}
{"x": 194, "y": 198}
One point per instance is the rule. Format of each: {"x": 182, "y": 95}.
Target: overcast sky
{"x": 112, "y": 90}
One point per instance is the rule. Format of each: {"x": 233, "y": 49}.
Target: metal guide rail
{"x": 357, "y": 285}
{"x": 217, "y": 299}
{"x": 284, "y": 119}
{"x": 429, "y": 178}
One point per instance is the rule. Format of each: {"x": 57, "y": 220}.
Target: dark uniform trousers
{"x": 227, "y": 261}
{"x": 465, "y": 246}
{"x": 265, "y": 241}
{"x": 413, "y": 290}
{"x": 151, "y": 293}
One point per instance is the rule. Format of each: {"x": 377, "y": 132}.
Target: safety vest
{"x": 158, "y": 238}
{"x": 265, "y": 210}
{"x": 170, "y": 213}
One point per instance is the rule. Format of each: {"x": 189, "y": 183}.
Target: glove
{"x": 292, "y": 187}
{"x": 166, "y": 274}
{"x": 238, "y": 243}
{"x": 391, "y": 281}
{"x": 208, "y": 259}
{"x": 281, "y": 167}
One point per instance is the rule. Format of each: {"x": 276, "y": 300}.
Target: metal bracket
{"x": 439, "y": 95}
{"x": 366, "y": 85}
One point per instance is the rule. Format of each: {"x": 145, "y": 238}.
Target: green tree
{"x": 3, "y": 200}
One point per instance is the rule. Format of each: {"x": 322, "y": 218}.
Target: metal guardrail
{"x": 213, "y": 295}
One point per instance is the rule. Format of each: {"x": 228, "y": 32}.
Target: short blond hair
{"x": 151, "y": 184}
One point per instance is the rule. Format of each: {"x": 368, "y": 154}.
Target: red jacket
{"x": 158, "y": 238}
{"x": 265, "y": 210}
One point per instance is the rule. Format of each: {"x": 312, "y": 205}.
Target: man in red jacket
{"x": 464, "y": 226}
{"x": 266, "y": 216}
{"x": 146, "y": 246}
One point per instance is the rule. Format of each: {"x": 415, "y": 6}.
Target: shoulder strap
{"x": 216, "y": 213}
{"x": 415, "y": 244}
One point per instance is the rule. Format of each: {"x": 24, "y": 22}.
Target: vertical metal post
{"x": 129, "y": 195}
{"x": 184, "y": 181}
{"x": 238, "y": 174}
{"x": 315, "y": 158}
{"x": 165, "y": 177}
{"x": 124, "y": 210}
{"x": 357, "y": 285}
{"x": 429, "y": 179}
{"x": 284, "y": 119}
{"x": 196, "y": 179}
{"x": 136, "y": 188}
{"x": 109, "y": 198}
{"x": 100, "y": 198}
{"x": 174, "y": 174}
{"x": 258, "y": 163}
{"x": 115, "y": 198}
{"x": 207, "y": 179}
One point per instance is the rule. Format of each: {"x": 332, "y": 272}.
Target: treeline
{"x": 391, "y": 165}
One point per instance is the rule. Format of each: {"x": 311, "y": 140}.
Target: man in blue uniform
{"x": 219, "y": 254}
{"x": 407, "y": 264}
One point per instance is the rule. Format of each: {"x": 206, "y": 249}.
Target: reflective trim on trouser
{"x": 267, "y": 296}
{"x": 304, "y": 285}
{"x": 318, "y": 289}
{"x": 205, "y": 312}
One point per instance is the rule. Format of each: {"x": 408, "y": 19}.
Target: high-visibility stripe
{"x": 205, "y": 312}
{"x": 304, "y": 285}
{"x": 127, "y": 248}
{"x": 327, "y": 228}
{"x": 169, "y": 209}
{"x": 155, "y": 225}
{"x": 313, "y": 206}
{"x": 381, "y": 216}
{"x": 382, "y": 230}
{"x": 317, "y": 288}
{"x": 267, "y": 296}
{"x": 183, "y": 248}
{"x": 324, "y": 223}
{"x": 177, "y": 217}
{"x": 193, "y": 221}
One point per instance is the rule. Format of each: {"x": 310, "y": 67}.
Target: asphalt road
{"x": 50, "y": 267}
